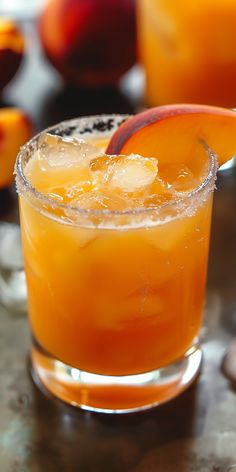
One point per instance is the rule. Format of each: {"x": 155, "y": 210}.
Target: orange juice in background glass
{"x": 187, "y": 48}
{"x": 115, "y": 252}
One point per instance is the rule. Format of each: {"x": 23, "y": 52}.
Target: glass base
{"x": 114, "y": 394}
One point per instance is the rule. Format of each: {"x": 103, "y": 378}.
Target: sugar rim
{"x": 23, "y": 184}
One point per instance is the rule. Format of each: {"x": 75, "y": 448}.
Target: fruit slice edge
{"x": 171, "y": 131}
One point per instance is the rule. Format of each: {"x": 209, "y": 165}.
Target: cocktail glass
{"x": 186, "y": 48}
{"x": 115, "y": 298}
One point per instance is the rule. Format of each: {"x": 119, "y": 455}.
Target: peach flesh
{"x": 173, "y": 131}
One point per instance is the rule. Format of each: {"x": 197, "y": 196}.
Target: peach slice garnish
{"x": 15, "y": 129}
{"x": 172, "y": 133}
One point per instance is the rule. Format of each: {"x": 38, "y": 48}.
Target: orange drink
{"x": 115, "y": 250}
{"x": 187, "y": 50}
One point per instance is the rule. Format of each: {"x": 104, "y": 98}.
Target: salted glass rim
{"x": 24, "y": 185}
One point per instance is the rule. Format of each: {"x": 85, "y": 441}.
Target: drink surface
{"x": 186, "y": 49}
{"x": 113, "y": 300}
{"x": 77, "y": 172}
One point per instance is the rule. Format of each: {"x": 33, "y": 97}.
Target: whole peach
{"x": 11, "y": 50}
{"x": 15, "y": 129}
{"x": 90, "y": 42}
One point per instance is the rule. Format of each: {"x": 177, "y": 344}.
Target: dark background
{"x": 195, "y": 432}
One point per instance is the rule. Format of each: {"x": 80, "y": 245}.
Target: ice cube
{"x": 159, "y": 192}
{"x": 184, "y": 180}
{"x": 179, "y": 176}
{"x": 103, "y": 163}
{"x": 170, "y": 236}
{"x": 133, "y": 173}
{"x": 101, "y": 168}
{"x": 63, "y": 152}
{"x": 90, "y": 201}
{"x": 97, "y": 200}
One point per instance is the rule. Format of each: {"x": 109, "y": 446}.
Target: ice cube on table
{"x": 63, "y": 152}
{"x": 133, "y": 173}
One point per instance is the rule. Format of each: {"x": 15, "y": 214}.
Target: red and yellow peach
{"x": 15, "y": 129}
{"x": 11, "y": 50}
{"x": 90, "y": 42}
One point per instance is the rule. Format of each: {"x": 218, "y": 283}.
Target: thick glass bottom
{"x": 114, "y": 394}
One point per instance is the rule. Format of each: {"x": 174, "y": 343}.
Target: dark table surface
{"x": 195, "y": 432}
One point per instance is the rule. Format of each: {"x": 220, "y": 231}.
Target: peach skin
{"x": 11, "y": 50}
{"x": 151, "y": 133}
{"x": 15, "y": 129}
{"x": 90, "y": 42}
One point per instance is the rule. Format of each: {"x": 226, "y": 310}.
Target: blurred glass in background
{"x": 187, "y": 48}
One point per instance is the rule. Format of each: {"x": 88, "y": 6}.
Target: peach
{"x": 15, "y": 129}
{"x": 172, "y": 133}
{"x": 11, "y": 50}
{"x": 90, "y": 42}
